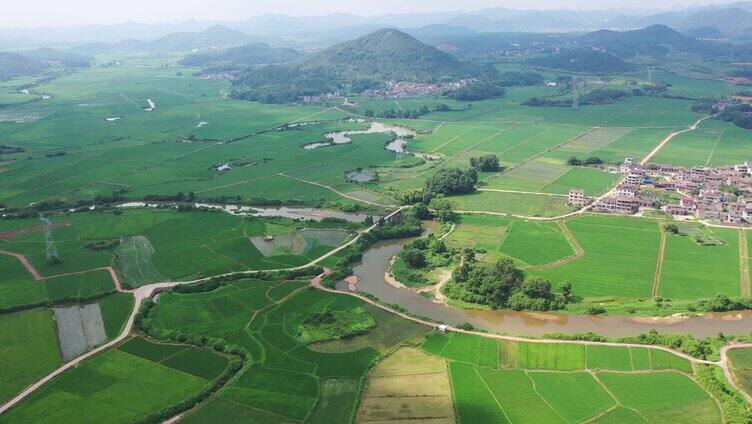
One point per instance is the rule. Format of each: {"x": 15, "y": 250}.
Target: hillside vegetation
{"x": 246, "y": 55}
{"x": 384, "y": 55}
{"x": 15, "y": 65}
{"x": 584, "y": 60}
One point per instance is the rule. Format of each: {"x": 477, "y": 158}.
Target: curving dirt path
{"x": 346, "y": 196}
{"x": 25, "y": 262}
{"x": 39, "y": 277}
{"x": 726, "y": 365}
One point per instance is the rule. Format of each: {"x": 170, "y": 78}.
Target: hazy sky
{"x": 22, "y": 13}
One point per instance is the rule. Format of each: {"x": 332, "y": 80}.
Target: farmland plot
{"x": 79, "y": 328}
{"x": 408, "y": 385}
{"x": 122, "y": 385}
{"x": 620, "y": 257}
{"x": 692, "y": 271}
{"x": 569, "y": 383}
{"x": 288, "y": 380}
{"x": 28, "y": 349}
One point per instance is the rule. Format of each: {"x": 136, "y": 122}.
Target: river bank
{"x": 372, "y": 270}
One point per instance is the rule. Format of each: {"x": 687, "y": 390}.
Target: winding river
{"x": 376, "y": 261}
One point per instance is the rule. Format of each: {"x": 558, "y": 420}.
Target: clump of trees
{"x": 596, "y": 97}
{"x": 739, "y": 115}
{"x": 334, "y": 325}
{"x": 514, "y": 79}
{"x": 477, "y": 91}
{"x": 452, "y": 181}
{"x": 102, "y": 244}
{"x": 485, "y": 163}
{"x": 671, "y": 228}
{"x": 502, "y": 285}
{"x": 421, "y": 256}
{"x": 588, "y": 161}
{"x": 429, "y": 252}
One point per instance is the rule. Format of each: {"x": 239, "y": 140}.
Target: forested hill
{"x": 584, "y": 60}
{"x": 15, "y": 65}
{"x": 389, "y": 54}
{"x": 381, "y": 56}
{"x": 247, "y": 55}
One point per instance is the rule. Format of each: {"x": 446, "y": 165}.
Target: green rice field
{"x": 520, "y": 382}
{"x": 148, "y": 246}
{"x": 28, "y": 349}
{"x": 122, "y": 385}
{"x": 287, "y": 380}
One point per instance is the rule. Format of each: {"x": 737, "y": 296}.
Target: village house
{"x": 618, "y": 204}
{"x": 625, "y": 191}
{"x": 676, "y": 210}
{"x": 578, "y": 198}
{"x": 688, "y": 203}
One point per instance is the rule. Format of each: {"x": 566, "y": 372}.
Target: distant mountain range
{"x": 215, "y": 37}
{"x": 733, "y": 20}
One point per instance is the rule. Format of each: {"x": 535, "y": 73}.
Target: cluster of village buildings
{"x": 705, "y": 193}
{"x": 321, "y": 98}
{"x": 401, "y": 89}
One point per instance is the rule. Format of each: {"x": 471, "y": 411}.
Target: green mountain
{"x": 389, "y": 54}
{"x": 367, "y": 62}
{"x": 584, "y": 60}
{"x": 243, "y": 56}
{"x": 14, "y": 65}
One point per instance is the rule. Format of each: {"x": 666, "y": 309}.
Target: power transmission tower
{"x": 52, "y": 256}
{"x": 578, "y": 84}
{"x": 651, "y": 69}
{"x": 398, "y": 159}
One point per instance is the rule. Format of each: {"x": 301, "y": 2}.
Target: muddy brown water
{"x": 376, "y": 261}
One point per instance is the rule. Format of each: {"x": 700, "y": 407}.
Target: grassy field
{"x": 513, "y": 203}
{"x": 501, "y": 381}
{"x": 122, "y": 385}
{"x": 28, "y": 349}
{"x": 692, "y": 271}
{"x": 287, "y": 380}
{"x": 620, "y": 257}
{"x": 195, "y": 129}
